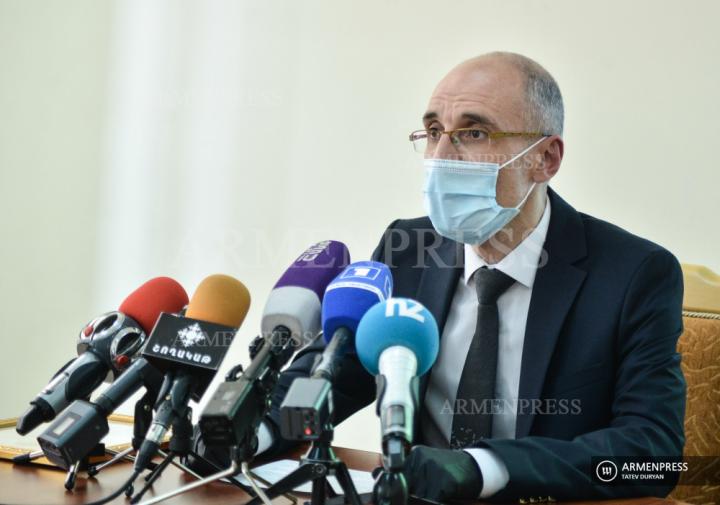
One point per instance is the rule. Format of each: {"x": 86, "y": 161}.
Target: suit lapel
{"x": 443, "y": 267}
{"x": 556, "y": 285}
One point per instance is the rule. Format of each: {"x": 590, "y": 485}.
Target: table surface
{"x": 37, "y": 485}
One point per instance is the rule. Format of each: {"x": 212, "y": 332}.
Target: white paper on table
{"x": 273, "y": 472}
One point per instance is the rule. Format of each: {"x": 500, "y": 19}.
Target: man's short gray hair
{"x": 545, "y": 111}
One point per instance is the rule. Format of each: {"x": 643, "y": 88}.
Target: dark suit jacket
{"x": 602, "y": 329}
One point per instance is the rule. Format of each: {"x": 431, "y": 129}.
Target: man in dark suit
{"x": 558, "y": 330}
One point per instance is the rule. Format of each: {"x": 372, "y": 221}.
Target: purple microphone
{"x": 296, "y": 300}
{"x": 291, "y": 318}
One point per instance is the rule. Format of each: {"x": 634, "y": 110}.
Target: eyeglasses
{"x": 468, "y": 138}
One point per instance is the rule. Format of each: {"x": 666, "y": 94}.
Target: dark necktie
{"x": 472, "y": 419}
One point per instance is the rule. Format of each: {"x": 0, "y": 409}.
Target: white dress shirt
{"x": 520, "y": 264}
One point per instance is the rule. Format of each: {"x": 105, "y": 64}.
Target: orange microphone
{"x": 220, "y": 299}
{"x": 189, "y": 350}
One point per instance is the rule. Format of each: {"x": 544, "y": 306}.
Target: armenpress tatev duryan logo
{"x": 660, "y": 470}
{"x": 189, "y": 336}
{"x": 606, "y": 471}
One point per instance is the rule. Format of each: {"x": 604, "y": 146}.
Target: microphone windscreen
{"x": 360, "y": 286}
{"x": 397, "y": 321}
{"x": 220, "y": 299}
{"x": 161, "y": 294}
{"x": 295, "y": 301}
{"x": 325, "y": 260}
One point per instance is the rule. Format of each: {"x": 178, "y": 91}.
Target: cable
{"x": 117, "y": 493}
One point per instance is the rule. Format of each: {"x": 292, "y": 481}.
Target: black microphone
{"x": 81, "y": 426}
{"x": 106, "y": 344}
{"x": 189, "y": 350}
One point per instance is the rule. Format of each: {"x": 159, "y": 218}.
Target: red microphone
{"x": 106, "y": 344}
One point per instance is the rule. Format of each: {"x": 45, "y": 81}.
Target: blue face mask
{"x": 460, "y": 198}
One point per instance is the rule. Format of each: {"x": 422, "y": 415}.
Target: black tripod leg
{"x": 320, "y": 486}
{"x": 329, "y": 490}
{"x": 27, "y": 457}
{"x": 72, "y": 476}
{"x": 348, "y": 486}
{"x": 249, "y": 490}
{"x": 155, "y": 475}
{"x": 304, "y": 473}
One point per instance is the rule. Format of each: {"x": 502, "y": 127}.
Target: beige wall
{"x": 289, "y": 119}
{"x": 52, "y": 98}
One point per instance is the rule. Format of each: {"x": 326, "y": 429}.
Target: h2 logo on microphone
{"x": 405, "y": 308}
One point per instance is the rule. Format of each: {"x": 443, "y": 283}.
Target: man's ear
{"x": 551, "y": 159}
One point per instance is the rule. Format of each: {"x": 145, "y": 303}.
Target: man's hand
{"x": 442, "y": 474}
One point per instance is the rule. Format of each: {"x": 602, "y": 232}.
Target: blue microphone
{"x": 306, "y": 413}
{"x": 397, "y": 341}
{"x": 348, "y": 297}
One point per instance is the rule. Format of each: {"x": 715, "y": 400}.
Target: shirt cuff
{"x": 494, "y": 472}
{"x": 265, "y": 438}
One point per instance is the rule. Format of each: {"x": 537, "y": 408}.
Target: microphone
{"x": 360, "y": 286}
{"x": 305, "y": 409}
{"x": 81, "y": 426}
{"x": 397, "y": 341}
{"x": 189, "y": 350}
{"x": 107, "y": 344}
{"x": 291, "y": 318}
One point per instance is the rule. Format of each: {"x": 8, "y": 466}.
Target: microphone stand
{"x": 75, "y": 468}
{"x": 28, "y": 457}
{"x": 141, "y": 423}
{"x": 81, "y": 464}
{"x": 391, "y": 489}
{"x": 117, "y": 456}
{"x": 180, "y": 446}
{"x": 180, "y": 443}
{"x": 390, "y": 486}
{"x": 318, "y": 463}
{"x": 257, "y": 385}
{"x": 237, "y": 454}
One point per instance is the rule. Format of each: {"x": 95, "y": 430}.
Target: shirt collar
{"x": 522, "y": 262}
